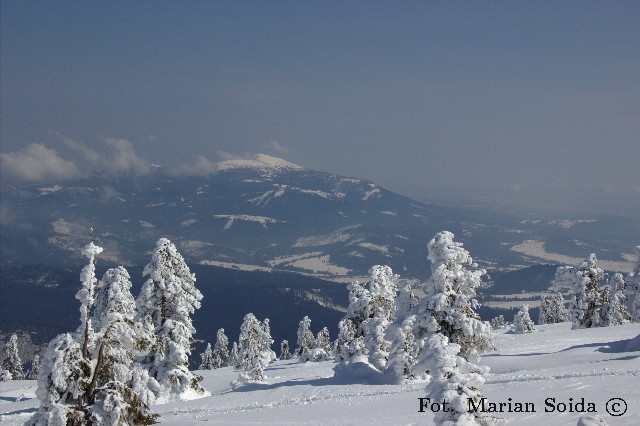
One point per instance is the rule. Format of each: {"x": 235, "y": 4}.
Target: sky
{"x": 518, "y": 104}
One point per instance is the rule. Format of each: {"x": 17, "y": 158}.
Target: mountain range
{"x": 266, "y": 220}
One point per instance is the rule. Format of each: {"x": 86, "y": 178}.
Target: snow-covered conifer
{"x": 5, "y": 376}
{"x": 221, "y": 350}
{"x": 614, "y": 310}
{"x": 347, "y": 344}
{"x": 207, "y": 359}
{"x": 522, "y": 321}
{"x": 165, "y": 304}
{"x": 454, "y": 380}
{"x": 406, "y": 300}
{"x": 12, "y": 362}
{"x": 35, "y": 368}
{"x": 498, "y": 322}
{"x": 403, "y": 352}
{"x": 323, "y": 340}
{"x": 306, "y": 341}
{"x": 254, "y": 349}
{"x": 64, "y": 374}
{"x": 234, "y": 357}
{"x": 112, "y": 395}
{"x": 449, "y": 303}
{"x": 284, "y": 350}
{"x": 585, "y": 305}
{"x": 266, "y": 341}
{"x": 632, "y": 290}
{"x": 552, "y": 309}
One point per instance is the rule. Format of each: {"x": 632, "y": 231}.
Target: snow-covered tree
{"x": 498, "y": 322}
{"x": 632, "y": 290}
{"x": 5, "y": 376}
{"x": 323, "y": 340}
{"x": 406, "y": 300}
{"x": 585, "y": 305}
{"x": 254, "y": 350}
{"x": 207, "y": 359}
{"x": 320, "y": 349}
{"x": 403, "y": 352}
{"x": 372, "y": 308}
{"x": 267, "y": 341}
{"x": 449, "y": 303}
{"x": 522, "y": 321}
{"x": 35, "y": 368}
{"x": 91, "y": 377}
{"x": 306, "y": 341}
{"x": 455, "y": 381}
{"x": 284, "y": 350}
{"x": 221, "y": 350}
{"x": 115, "y": 394}
{"x": 552, "y": 309}
{"x": 64, "y": 374}
{"x": 165, "y": 305}
{"x": 614, "y": 310}
{"x": 12, "y": 362}
{"x": 65, "y": 382}
{"x": 234, "y": 356}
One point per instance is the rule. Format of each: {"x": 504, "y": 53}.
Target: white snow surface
{"x": 553, "y": 362}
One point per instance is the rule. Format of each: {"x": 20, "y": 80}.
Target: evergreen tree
{"x": 267, "y": 341}
{"x": 5, "y": 376}
{"x": 449, "y": 303}
{"x": 284, "y": 350}
{"x": 403, "y": 352}
{"x": 585, "y": 306}
{"x": 454, "y": 380}
{"x": 522, "y": 321}
{"x": 165, "y": 305}
{"x": 35, "y": 368}
{"x": 406, "y": 300}
{"x": 323, "y": 340}
{"x": 632, "y": 290}
{"x": 306, "y": 341}
{"x": 90, "y": 377}
{"x": 207, "y": 359}
{"x": 114, "y": 393}
{"x": 614, "y": 310}
{"x": 347, "y": 345}
{"x": 12, "y": 362}
{"x": 221, "y": 350}
{"x": 552, "y": 309}
{"x": 254, "y": 350}
{"x": 65, "y": 384}
{"x": 498, "y": 322}
{"x": 234, "y": 357}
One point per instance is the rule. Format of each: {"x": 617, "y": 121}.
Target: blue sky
{"x": 527, "y": 104}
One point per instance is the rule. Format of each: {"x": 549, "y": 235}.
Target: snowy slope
{"x": 554, "y": 362}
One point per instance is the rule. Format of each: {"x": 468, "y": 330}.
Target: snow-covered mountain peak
{"x": 259, "y": 162}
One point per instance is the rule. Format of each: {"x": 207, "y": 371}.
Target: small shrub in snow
{"x": 5, "y": 376}
{"x": 284, "y": 350}
{"x": 522, "y": 321}
{"x": 306, "y": 341}
{"x": 498, "y": 322}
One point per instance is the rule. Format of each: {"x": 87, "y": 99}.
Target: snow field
{"x": 552, "y": 362}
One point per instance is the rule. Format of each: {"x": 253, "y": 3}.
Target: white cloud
{"x": 37, "y": 163}
{"x": 201, "y": 167}
{"x": 123, "y": 158}
{"x": 278, "y": 147}
{"x": 91, "y": 155}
